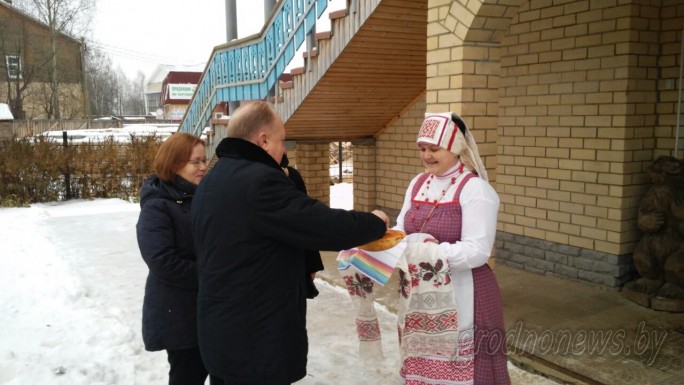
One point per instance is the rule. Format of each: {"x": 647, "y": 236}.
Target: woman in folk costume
{"x": 453, "y": 205}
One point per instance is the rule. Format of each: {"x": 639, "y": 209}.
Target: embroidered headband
{"x": 439, "y": 130}
{"x": 448, "y": 131}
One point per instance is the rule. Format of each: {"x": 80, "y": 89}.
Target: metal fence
{"x": 341, "y": 162}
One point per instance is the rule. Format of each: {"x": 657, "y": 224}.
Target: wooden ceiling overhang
{"x": 378, "y": 74}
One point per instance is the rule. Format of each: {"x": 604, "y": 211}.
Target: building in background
{"x": 25, "y": 67}
{"x": 166, "y": 92}
{"x": 176, "y": 93}
{"x": 5, "y": 123}
{"x": 570, "y": 103}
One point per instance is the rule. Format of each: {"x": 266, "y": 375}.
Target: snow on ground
{"x": 117, "y": 134}
{"x": 71, "y": 288}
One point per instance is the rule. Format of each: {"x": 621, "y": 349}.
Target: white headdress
{"x": 448, "y": 131}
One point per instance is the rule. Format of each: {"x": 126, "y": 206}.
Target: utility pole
{"x": 231, "y": 34}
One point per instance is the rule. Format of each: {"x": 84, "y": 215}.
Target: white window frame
{"x": 13, "y": 63}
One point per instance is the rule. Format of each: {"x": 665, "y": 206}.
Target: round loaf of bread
{"x": 389, "y": 240}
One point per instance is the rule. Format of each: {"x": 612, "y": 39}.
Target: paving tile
{"x": 590, "y": 332}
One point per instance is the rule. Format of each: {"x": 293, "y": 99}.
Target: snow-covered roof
{"x": 160, "y": 72}
{"x": 124, "y": 134}
{"x": 5, "y": 113}
{"x": 118, "y": 134}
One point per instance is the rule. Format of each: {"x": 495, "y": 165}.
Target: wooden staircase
{"x": 360, "y": 77}
{"x": 363, "y": 73}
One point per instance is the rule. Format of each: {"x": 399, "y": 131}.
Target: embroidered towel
{"x": 376, "y": 265}
{"x": 360, "y": 289}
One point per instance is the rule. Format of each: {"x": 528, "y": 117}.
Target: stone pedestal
{"x": 668, "y": 304}
{"x": 671, "y": 305}
{"x": 628, "y": 291}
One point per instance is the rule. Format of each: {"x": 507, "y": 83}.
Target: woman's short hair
{"x": 173, "y": 154}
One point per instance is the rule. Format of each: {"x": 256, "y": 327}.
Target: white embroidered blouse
{"x": 480, "y": 205}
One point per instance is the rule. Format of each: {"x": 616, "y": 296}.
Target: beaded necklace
{"x": 437, "y": 201}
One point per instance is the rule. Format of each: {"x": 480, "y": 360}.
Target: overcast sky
{"x": 139, "y": 34}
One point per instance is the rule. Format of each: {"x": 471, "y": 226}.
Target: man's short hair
{"x": 247, "y": 120}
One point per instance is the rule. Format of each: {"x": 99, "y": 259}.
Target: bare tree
{"x": 110, "y": 91}
{"x": 136, "y": 97}
{"x": 101, "y": 83}
{"x": 129, "y": 94}
{"x": 70, "y": 17}
{"x": 121, "y": 86}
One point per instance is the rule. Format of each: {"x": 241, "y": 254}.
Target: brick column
{"x": 364, "y": 175}
{"x": 291, "y": 147}
{"x": 292, "y": 158}
{"x": 313, "y": 162}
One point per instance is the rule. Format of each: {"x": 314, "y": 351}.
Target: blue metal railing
{"x": 247, "y": 69}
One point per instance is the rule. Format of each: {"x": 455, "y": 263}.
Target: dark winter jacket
{"x": 314, "y": 262}
{"x": 251, "y": 227}
{"x": 165, "y": 242}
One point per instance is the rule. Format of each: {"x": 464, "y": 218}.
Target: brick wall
{"x": 463, "y": 75}
{"x": 312, "y": 160}
{"x": 397, "y": 160}
{"x": 577, "y": 127}
{"x": 669, "y": 38}
{"x": 366, "y": 184}
{"x": 569, "y": 102}
{"x": 292, "y": 158}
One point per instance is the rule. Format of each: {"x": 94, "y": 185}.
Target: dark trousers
{"x": 187, "y": 368}
{"x": 235, "y": 383}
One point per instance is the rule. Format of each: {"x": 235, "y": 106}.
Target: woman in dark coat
{"x": 165, "y": 242}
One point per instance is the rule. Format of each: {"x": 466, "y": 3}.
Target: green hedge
{"x": 37, "y": 169}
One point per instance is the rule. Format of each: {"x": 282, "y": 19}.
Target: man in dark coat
{"x": 314, "y": 262}
{"x": 251, "y": 228}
